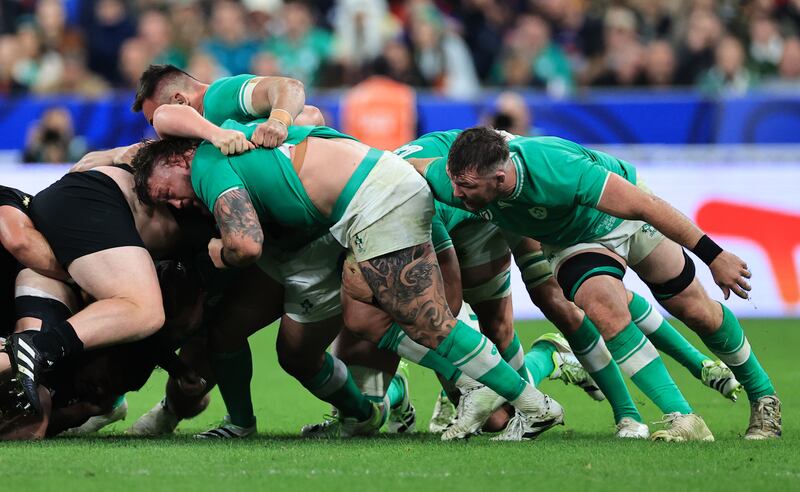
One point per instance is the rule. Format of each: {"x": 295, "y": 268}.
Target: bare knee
{"x": 610, "y": 318}
{"x": 185, "y": 406}
{"x": 151, "y": 319}
{"x": 556, "y": 308}
{"x": 703, "y": 316}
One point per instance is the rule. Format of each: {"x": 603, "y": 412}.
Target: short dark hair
{"x": 151, "y": 78}
{"x": 478, "y": 148}
{"x": 145, "y": 159}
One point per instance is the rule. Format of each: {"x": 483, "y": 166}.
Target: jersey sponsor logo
{"x": 538, "y": 212}
{"x": 486, "y": 215}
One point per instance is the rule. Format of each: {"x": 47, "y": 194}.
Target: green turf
{"x": 583, "y": 455}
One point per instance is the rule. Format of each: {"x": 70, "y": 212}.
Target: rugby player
{"x": 86, "y": 385}
{"x": 485, "y": 250}
{"x": 593, "y": 217}
{"x": 362, "y": 213}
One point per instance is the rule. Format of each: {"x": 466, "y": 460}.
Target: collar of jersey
{"x": 520, "y": 177}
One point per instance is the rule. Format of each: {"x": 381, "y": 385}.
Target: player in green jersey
{"x": 164, "y": 88}
{"x": 546, "y": 294}
{"x": 373, "y": 203}
{"x": 594, "y": 217}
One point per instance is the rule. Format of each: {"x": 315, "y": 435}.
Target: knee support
{"x": 675, "y": 286}
{"x": 583, "y": 266}
{"x": 50, "y": 311}
{"x": 497, "y": 287}
{"x": 535, "y": 269}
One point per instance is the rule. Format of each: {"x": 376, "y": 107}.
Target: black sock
{"x": 59, "y": 341}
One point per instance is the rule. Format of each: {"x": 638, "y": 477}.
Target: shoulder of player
{"x": 13, "y": 197}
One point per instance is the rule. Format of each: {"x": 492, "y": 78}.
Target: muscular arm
{"x": 626, "y": 201}
{"x": 118, "y": 155}
{"x": 239, "y": 227}
{"x": 279, "y": 93}
{"x": 175, "y": 120}
{"x": 622, "y": 199}
{"x": 20, "y": 238}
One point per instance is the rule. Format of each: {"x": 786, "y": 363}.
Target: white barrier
{"x": 752, "y": 210}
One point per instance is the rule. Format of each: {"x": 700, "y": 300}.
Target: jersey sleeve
{"x": 246, "y": 128}
{"x": 439, "y": 181}
{"x": 212, "y": 175}
{"x": 439, "y": 236}
{"x": 590, "y": 182}
{"x": 14, "y": 198}
{"x": 230, "y": 97}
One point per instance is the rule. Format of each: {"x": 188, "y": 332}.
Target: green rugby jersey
{"x": 558, "y": 185}
{"x": 288, "y": 216}
{"x": 224, "y": 99}
{"x": 446, "y": 218}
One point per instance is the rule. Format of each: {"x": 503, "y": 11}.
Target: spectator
{"x": 442, "y": 56}
{"x": 134, "y": 58}
{"x": 230, "y": 44}
{"x": 789, "y": 67}
{"x": 52, "y": 140}
{"x": 659, "y": 64}
{"x": 76, "y": 79}
{"x": 547, "y": 65}
{"x": 205, "y": 68}
{"x": 484, "y": 22}
{"x": 9, "y": 53}
{"x": 155, "y": 31}
{"x": 766, "y": 46}
{"x": 622, "y": 61}
{"x": 359, "y": 33}
{"x": 35, "y": 68}
{"x": 188, "y": 26}
{"x": 109, "y": 26}
{"x": 696, "y": 52}
{"x": 265, "y": 63}
{"x": 53, "y": 31}
{"x": 511, "y": 113}
{"x": 302, "y": 49}
{"x": 398, "y": 63}
{"x": 729, "y": 75}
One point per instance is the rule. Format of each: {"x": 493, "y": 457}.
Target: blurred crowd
{"x": 453, "y": 47}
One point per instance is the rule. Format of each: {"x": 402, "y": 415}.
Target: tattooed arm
{"x": 240, "y": 228}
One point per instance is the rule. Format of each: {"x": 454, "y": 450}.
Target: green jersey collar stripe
{"x": 520, "y": 177}
{"x": 358, "y": 177}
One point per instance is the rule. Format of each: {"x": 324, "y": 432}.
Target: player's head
{"x": 164, "y": 172}
{"x": 477, "y": 165}
{"x": 164, "y": 84}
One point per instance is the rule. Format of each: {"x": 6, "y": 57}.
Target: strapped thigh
{"x": 673, "y": 287}
{"x": 579, "y": 268}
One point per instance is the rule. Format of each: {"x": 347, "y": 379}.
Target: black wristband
{"x": 224, "y": 261}
{"x": 706, "y": 249}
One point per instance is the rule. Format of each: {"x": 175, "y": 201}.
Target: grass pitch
{"x": 583, "y": 455}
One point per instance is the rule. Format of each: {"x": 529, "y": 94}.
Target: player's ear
{"x": 179, "y": 98}
{"x": 500, "y": 176}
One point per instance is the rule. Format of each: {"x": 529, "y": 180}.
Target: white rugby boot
{"x": 765, "y": 419}
{"x": 628, "y": 428}
{"x": 681, "y": 427}
{"x": 158, "y": 421}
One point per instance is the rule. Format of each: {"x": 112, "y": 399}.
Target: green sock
{"x": 233, "y": 371}
{"x": 591, "y": 351}
{"x": 539, "y": 361}
{"x": 477, "y": 357}
{"x": 515, "y": 356}
{"x": 664, "y": 336}
{"x": 396, "y": 392}
{"x": 396, "y": 340}
{"x": 638, "y": 359}
{"x": 730, "y": 344}
{"x": 334, "y": 384}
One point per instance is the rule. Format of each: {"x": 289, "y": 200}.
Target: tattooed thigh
{"x": 408, "y": 286}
